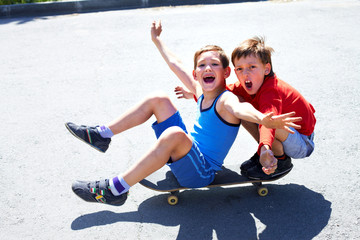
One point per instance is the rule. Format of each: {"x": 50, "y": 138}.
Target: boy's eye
{"x": 201, "y": 65}
{"x": 253, "y": 67}
{"x": 238, "y": 69}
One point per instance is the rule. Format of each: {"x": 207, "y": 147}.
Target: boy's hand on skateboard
{"x": 156, "y": 30}
{"x": 283, "y": 121}
{"x": 268, "y": 161}
{"x": 183, "y": 93}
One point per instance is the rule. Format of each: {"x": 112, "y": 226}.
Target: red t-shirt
{"x": 278, "y": 97}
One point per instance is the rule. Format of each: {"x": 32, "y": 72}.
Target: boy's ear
{"x": 227, "y": 72}
{"x": 267, "y": 68}
{"x": 194, "y": 74}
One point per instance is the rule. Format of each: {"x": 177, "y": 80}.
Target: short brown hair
{"x": 223, "y": 57}
{"x": 254, "y": 46}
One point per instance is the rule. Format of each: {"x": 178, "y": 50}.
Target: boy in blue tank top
{"x": 193, "y": 158}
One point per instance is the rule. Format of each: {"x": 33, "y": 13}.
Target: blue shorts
{"x": 192, "y": 170}
{"x": 298, "y": 145}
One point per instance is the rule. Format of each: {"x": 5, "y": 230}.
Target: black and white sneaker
{"x": 283, "y": 166}
{"x": 98, "y": 191}
{"x": 89, "y": 135}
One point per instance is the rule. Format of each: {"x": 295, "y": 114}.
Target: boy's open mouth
{"x": 248, "y": 84}
{"x": 209, "y": 79}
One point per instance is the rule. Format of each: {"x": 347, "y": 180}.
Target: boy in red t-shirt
{"x": 259, "y": 85}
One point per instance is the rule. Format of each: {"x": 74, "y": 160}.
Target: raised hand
{"x": 156, "y": 29}
{"x": 183, "y": 93}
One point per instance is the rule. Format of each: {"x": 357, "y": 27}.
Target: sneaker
{"x": 89, "y": 135}
{"x": 98, "y": 191}
{"x": 284, "y": 166}
{"x": 253, "y": 161}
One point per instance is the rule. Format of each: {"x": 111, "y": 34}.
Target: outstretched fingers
{"x": 288, "y": 130}
{"x": 288, "y": 120}
{"x": 271, "y": 116}
{"x": 283, "y": 116}
{"x": 291, "y": 124}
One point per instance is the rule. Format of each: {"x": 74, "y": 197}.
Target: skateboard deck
{"x": 165, "y": 181}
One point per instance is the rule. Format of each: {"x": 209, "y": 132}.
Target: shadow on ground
{"x": 288, "y": 212}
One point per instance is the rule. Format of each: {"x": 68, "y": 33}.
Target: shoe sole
{"x": 273, "y": 176}
{"x": 68, "y": 128}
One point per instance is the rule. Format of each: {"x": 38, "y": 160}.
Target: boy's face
{"x": 209, "y": 71}
{"x": 250, "y": 71}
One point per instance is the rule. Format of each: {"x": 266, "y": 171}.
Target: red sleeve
{"x": 268, "y": 101}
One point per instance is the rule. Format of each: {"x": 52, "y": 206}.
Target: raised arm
{"x": 247, "y": 112}
{"x": 173, "y": 62}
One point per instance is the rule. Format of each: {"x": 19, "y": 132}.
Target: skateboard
{"x": 163, "y": 181}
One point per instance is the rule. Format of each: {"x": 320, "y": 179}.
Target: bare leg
{"x": 157, "y": 104}
{"x": 252, "y": 128}
{"x": 277, "y": 147}
{"x": 280, "y": 136}
{"x": 173, "y": 142}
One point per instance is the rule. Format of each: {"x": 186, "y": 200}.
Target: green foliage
{"x": 9, "y": 2}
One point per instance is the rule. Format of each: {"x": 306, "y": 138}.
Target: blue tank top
{"x": 213, "y": 135}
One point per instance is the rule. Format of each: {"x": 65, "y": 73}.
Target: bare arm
{"x": 173, "y": 62}
{"x": 247, "y": 112}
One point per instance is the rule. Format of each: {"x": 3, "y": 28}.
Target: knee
{"x": 281, "y": 135}
{"x": 173, "y": 135}
{"x": 176, "y": 141}
{"x": 158, "y": 98}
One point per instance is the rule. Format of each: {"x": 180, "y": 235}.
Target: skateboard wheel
{"x": 172, "y": 200}
{"x": 262, "y": 191}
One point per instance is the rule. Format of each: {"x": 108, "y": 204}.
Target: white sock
{"x": 118, "y": 186}
{"x": 105, "y": 131}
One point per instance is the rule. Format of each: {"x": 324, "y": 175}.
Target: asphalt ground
{"x": 89, "y": 68}
{"x": 60, "y": 7}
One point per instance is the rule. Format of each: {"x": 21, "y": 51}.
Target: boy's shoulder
{"x": 276, "y": 83}
{"x": 224, "y": 95}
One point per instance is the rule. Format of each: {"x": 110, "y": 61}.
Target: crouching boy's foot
{"x": 98, "y": 191}
{"x": 283, "y": 166}
{"x": 252, "y": 162}
{"x": 89, "y": 135}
